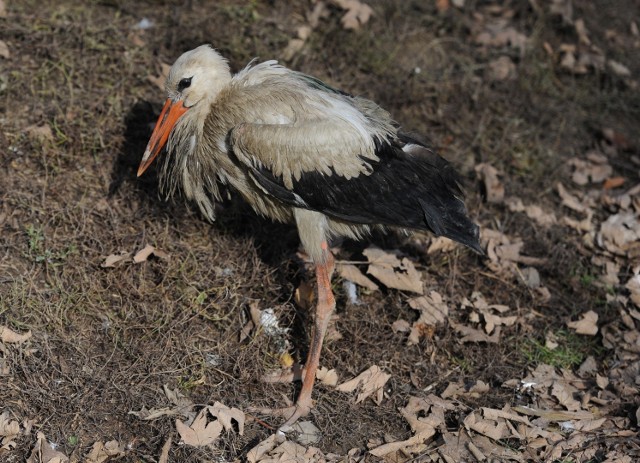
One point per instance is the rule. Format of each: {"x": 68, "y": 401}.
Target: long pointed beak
{"x": 171, "y": 112}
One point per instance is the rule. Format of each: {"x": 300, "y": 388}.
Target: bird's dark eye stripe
{"x": 184, "y": 83}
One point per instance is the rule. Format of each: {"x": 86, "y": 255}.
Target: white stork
{"x": 300, "y": 151}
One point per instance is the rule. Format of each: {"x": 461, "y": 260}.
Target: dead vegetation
{"x": 131, "y": 330}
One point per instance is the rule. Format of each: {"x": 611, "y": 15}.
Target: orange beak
{"x": 171, "y": 112}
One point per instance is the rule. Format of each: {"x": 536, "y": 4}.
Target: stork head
{"x": 194, "y": 80}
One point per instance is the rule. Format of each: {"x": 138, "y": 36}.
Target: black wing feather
{"x": 416, "y": 189}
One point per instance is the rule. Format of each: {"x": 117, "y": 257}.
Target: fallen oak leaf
{"x": 9, "y": 336}
{"x": 393, "y": 272}
{"x": 9, "y": 430}
{"x": 586, "y": 325}
{"x": 43, "y": 452}
{"x": 432, "y": 308}
{"x": 4, "y": 50}
{"x": 495, "y": 430}
{"x": 113, "y": 259}
{"x": 369, "y": 382}
{"x": 143, "y": 254}
{"x": 358, "y": 13}
{"x": 442, "y": 244}
{"x": 554, "y": 415}
{"x": 564, "y": 394}
{"x": 493, "y": 187}
{"x": 256, "y": 453}
{"x": 199, "y": 433}
{"x": 569, "y": 200}
{"x": 473, "y": 335}
{"x": 164, "y": 453}
{"x": 226, "y": 414}
{"x": 155, "y": 413}
{"x": 161, "y": 78}
{"x": 418, "y": 438}
{"x": 102, "y": 452}
{"x": 352, "y": 273}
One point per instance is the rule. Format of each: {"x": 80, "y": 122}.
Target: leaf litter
{"x": 559, "y": 412}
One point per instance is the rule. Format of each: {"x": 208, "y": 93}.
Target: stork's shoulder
{"x": 257, "y": 73}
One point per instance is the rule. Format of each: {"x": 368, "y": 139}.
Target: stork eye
{"x": 184, "y": 83}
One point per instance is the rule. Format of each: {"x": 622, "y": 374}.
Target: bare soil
{"x": 106, "y": 340}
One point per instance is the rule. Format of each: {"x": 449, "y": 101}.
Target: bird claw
{"x": 291, "y": 413}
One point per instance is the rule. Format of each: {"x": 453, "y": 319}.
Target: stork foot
{"x": 292, "y": 414}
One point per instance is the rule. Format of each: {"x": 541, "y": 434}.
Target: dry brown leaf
{"x": 358, "y": 13}
{"x": 633, "y": 285}
{"x": 602, "y": 381}
{"x": 256, "y": 453}
{"x": 3, "y": 10}
{"x": 432, "y": 308}
{"x": 501, "y": 69}
{"x": 418, "y": 438}
{"x": 493, "y": 187}
{"x": 144, "y": 253}
{"x": 492, "y": 429}
{"x": 453, "y": 390}
{"x": 225, "y": 415}
{"x": 497, "y": 33}
{"x": 472, "y": 335}
{"x": 40, "y": 132}
{"x": 43, "y": 452}
{"x": 619, "y": 232}
{"x": 164, "y": 453}
{"x": 594, "y": 169}
{"x": 102, "y": 452}
{"x": 555, "y": 415}
{"x": 588, "y": 425}
{"x": 400, "y": 326}
{"x": 562, "y": 8}
{"x": 564, "y": 394}
{"x": 326, "y": 376}
{"x": 424, "y": 416}
{"x": 369, "y": 382}
{"x": 588, "y": 367}
{"x": 9, "y": 430}
{"x": 352, "y": 273}
{"x": 183, "y": 406}
{"x": 319, "y": 11}
{"x": 8, "y": 336}
{"x": 199, "y": 433}
{"x": 442, "y": 244}
{"x": 618, "y": 69}
{"x": 442, "y": 5}
{"x": 393, "y": 272}
{"x": 293, "y": 48}
{"x": 569, "y": 200}
{"x": 161, "y": 78}
{"x": 587, "y": 324}
{"x": 113, "y": 259}
{"x": 4, "y": 50}
{"x": 613, "y": 182}
{"x": 581, "y": 30}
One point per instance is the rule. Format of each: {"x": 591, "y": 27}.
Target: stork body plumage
{"x": 300, "y": 151}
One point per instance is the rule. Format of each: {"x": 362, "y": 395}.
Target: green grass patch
{"x": 572, "y": 350}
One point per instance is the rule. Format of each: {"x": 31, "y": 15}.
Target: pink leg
{"x": 324, "y": 309}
